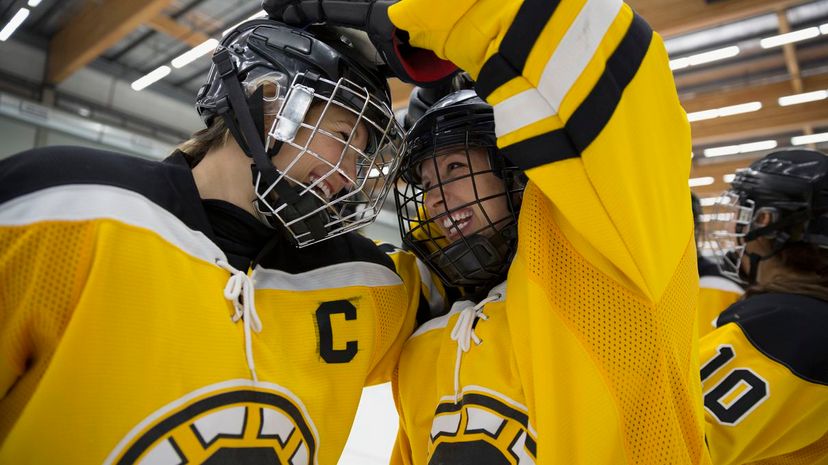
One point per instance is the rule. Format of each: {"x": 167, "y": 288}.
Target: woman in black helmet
{"x": 458, "y": 208}
{"x": 162, "y": 312}
{"x": 765, "y": 367}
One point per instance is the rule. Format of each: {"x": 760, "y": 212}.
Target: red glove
{"x": 411, "y": 64}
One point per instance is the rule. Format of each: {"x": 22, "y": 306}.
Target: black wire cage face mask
{"x": 351, "y": 177}
{"x": 458, "y": 207}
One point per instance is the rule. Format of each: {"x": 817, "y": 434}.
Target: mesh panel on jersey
{"x": 40, "y": 267}
{"x": 643, "y": 349}
{"x": 391, "y": 303}
{"x": 815, "y": 453}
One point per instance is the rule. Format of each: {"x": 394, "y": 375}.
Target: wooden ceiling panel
{"x": 671, "y": 17}
{"x": 166, "y": 25}
{"x": 759, "y": 124}
{"x": 99, "y": 25}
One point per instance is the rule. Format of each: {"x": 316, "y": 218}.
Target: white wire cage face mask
{"x": 725, "y": 231}
{"x": 347, "y": 169}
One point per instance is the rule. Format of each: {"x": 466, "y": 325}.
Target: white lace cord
{"x": 239, "y": 290}
{"x": 463, "y": 333}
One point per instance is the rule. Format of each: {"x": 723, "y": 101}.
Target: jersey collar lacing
{"x": 463, "y": 331}
{"x": 239, "y": 290}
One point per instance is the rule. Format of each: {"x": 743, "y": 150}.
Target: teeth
{"x": 455, "y": 219}
{"x": 322, "y": 187}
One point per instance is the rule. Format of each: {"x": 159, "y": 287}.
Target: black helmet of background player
{"x": 782, "y": 197}
{"x": 459, "y": 204}
{"x": 266, "y": 79}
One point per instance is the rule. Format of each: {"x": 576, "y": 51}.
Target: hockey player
{"x": 458, "y": 212}
{"x": 602, "y": 291}
{"x": 716, "y": 291}
{"x": 160, "y": 312}
{"x": 765, "y": 368}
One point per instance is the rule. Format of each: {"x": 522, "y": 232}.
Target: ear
{"x": 763, "y": 218}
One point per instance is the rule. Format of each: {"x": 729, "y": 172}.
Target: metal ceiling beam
{"x": 672, "y": 17}
{"x": 99, "y": 25}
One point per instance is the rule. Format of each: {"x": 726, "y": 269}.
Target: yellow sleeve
{"x": 42, "y": 274}
{"x": 406, "y": 266}
{"x": 401, "y": 453}
{"x": 765, "y": 392}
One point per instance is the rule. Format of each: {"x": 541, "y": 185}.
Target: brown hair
{"x": 203, "y": 140}
{"x": 806, "y": 267}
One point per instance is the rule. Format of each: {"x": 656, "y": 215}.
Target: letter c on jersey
{"x": 323, "y": 320}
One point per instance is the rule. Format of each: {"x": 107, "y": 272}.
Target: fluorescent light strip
{"x": 824, "y": 29}
{"x": 13, "y": 24}
{"x": 195, "y": 53}
{"x": 703, "y": 181}
{"x": 724, "y": 111}
{"x": 803, "y": 98}
{"x": 810, "y": 139}
{"x": 728, "y": 178}
{"x": 34, "y": 3}
{"x": 741, "y": 148}
{"x": 151, "y": 77}
{"x": 708, "y": 201}
{"x": 706, "y": 57}
{"x": 258, "y": 15}
{"x": 790, "y": 37}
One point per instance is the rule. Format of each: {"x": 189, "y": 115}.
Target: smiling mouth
{"x": 456, "y": 224}
{"x": 322, "y": 187}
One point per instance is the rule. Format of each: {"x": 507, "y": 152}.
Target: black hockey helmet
{"x": 792, "y": 187}
{"x": 460, "y": 123}
{"x": 264, "y": 71}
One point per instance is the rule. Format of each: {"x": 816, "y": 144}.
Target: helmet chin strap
{"x": 239, "y": 120}
{"x": 476, "y": 260}
{"x": 779, "y": 243}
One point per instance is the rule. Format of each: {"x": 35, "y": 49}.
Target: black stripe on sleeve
{"x": 595, "y": 111}
{"x": 511, "y": 57}
{"x": 546, "y": 148}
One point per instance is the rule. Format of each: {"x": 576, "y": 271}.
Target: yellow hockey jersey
{"x": 127, "y": 337}
{"x": 603, "y": 290}
{"x": 457, "y": 393}
{"x": 716, "y": 294}
{"x": 765, "y": 378}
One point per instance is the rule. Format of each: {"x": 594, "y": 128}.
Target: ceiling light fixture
{"x": 706, "y": 57}
{"x": 13, "y": 24}
{"x": 740, "y": 148}
{"x": 810, "y": 139}
{"x": 790, "y": 37}
{"x": 703, "y": 181}
{"x": 151, "y": 77}
{"x": 803, "y": 98}
{"x": 195, "y": 53}
{"x": 724, "y": 111}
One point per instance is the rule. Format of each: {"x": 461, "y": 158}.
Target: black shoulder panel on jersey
{"x": 788, "y": 328}
{"x": 169, "y": 184}
{"x": 350, "y": 247}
